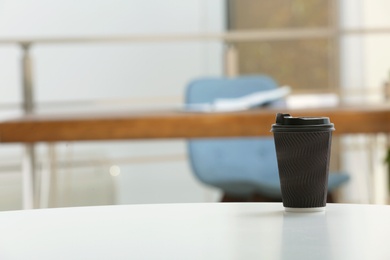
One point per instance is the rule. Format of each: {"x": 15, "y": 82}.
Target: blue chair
{"x": 245, "y": 169}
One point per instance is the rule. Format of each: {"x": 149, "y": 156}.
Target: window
{"x": 303, "y": 63}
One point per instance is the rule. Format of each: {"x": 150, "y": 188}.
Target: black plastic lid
{"x": 286, "y": 121}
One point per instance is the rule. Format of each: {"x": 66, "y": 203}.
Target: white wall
{"x": 88, "y": 72}
{"x": 109, "y": 70}
{"x": 365, "y": 58}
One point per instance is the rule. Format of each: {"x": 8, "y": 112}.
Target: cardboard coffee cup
{"x": 303, "y": 153}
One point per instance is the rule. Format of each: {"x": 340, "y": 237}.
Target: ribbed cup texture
{"x": 303, "y": 161}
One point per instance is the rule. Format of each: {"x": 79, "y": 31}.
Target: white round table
{"x": 196, "y": 231}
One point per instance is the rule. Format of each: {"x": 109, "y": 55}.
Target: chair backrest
{"x": 226, "y": 162}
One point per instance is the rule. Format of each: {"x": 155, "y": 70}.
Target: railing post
{"x": 28, "y": 164}
{"x": 231, "y": 61}
{"x": 28, "y": 93}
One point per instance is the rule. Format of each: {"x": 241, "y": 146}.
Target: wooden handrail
{"x": 178, "y": 124}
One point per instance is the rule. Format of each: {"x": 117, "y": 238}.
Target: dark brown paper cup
{"x": 303, "y": 154}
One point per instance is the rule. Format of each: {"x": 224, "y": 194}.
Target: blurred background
{"x": 318, "y": 46}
